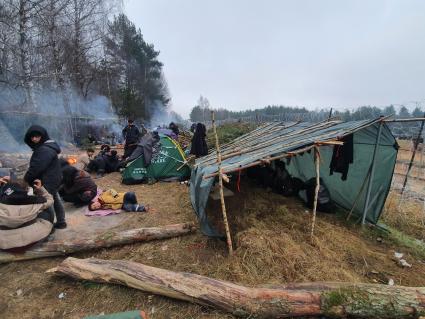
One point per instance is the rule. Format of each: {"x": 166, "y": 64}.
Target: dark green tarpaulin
{"x": 275, "y": 139}
{"x": 169, "y": 163}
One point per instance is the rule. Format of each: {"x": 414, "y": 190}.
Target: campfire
{"x": 72, "y": 159}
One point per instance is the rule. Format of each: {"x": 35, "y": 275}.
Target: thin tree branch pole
{"x": 336, "y": 300}
{"x": 415, "y": 119}
{"x": 372, "y": 173}
{"x": 109, "y": 239}
{"x": 316, "y": 190}
{"x": 415, "y": 147}
{"x": 220, "y": 183}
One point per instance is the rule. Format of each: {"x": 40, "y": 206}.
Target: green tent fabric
{"x": 292, "y": 140}
{"x": 168, "y": 164}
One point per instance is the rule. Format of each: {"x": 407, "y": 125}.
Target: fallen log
{"x": 337, "y": 300}
{"x": 108, "y": 239}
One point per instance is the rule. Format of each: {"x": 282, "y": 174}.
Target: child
{"x": 111, "y": 199}
{"x": 44, "y": 165}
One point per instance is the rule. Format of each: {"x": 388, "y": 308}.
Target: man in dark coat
{"x": 199, "y": 145}
{"x": 44, "y": 165}
{"x": 131, "y": 136}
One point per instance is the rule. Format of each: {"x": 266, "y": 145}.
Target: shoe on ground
{"x": 60, "y": 225}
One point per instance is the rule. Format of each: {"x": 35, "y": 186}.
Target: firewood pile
{"x": 184, "y": 139}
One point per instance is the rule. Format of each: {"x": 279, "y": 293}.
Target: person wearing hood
{"x": 131, "y": 135}
{"x": 77, "y": 186}
{"x": 24, "y": 219}
{"x": 199, "y": 145}
{"x": 44, "y": 165}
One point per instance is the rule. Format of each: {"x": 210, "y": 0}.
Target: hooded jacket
{"x": 44, "y": 162}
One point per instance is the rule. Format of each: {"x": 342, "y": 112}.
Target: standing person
{"x": 131, "y": 136}
{"x": 45, "y": 165}
{"x": 199, "y": 145}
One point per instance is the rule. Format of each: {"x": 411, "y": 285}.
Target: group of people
{"x": 29, "y": 207}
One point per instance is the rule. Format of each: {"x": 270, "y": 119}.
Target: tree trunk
{"x": 338, "y": 300}
{"x": 26, "y": 80}
{"x": 108, "y": 239}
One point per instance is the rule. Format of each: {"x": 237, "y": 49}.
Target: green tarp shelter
{"x": 277, "y": 141}
{"x": 168, "y": 164}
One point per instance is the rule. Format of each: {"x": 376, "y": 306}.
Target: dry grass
{"x": 271, "y": 235}
{"x": 407, "y": 216}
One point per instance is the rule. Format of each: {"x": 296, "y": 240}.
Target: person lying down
{"x": 111, "y": 199}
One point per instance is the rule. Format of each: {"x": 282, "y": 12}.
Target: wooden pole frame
{"x": 316, "y": 191}
{"x": 220, "y": 183}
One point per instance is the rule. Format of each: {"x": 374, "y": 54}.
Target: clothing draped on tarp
{"x": 145, "y": 148}
{"x": 342, "y": 157}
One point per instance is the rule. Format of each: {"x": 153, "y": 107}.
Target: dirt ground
{"x": 271, "y": 236}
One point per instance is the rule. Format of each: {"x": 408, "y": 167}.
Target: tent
{"x": 168, "y": 163}
{"x": 369, "y": 176}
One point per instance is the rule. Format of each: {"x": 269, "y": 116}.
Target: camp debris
{"x": 363, "y": 190}
{"x": 336, "y": 300}
{"x": 169, "y": 163}
{"x": 107, "y": 239}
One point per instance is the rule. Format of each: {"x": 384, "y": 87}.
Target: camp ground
{"x": 162, "y": 264}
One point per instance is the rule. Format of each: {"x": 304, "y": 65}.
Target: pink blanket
{"x": 100, "y": 212}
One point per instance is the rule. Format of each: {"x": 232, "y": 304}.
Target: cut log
{"x": 337, "y": 300}
{"x": 108, "y": 239}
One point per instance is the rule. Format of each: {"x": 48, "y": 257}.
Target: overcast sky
{"x": 243, "y": 53}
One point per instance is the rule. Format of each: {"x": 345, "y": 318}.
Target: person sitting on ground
{"x": 77, "y": 186}
{"x": 84, "y": 159}
{"x": 106, "y": 161}
{"x": 111, "y": 199}
{"x": 24, "y": 219}
{"x": 45, "y": 166}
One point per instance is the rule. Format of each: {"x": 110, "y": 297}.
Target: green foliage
{"x": 228, "y": 132}
{"x": 137, "y": 86}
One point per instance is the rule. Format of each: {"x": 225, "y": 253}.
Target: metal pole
{"x": 415, "y": 147}
{"x": 372, "y": 173}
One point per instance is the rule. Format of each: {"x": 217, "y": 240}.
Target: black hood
{"x": 36, "y": 129}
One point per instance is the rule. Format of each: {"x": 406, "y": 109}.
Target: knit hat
{"x": 14, "y": 194}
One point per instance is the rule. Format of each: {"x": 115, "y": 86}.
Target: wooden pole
{"x": 321, "y": 299}
{"x": 108, "y": 239}
{"x": 220, "y": 183}
{"x": 316, "y": 191}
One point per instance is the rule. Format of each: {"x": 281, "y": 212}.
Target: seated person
{"x": 111, "y": 199}
{"x": 24, "y": 219}
{"x": 84, "y": 159}
{"x": 106, "y": 161}
{"x": 77, "y": 186}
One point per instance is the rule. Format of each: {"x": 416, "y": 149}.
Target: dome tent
{"x": 168, "y": 163}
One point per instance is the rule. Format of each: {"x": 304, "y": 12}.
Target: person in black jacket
{"x": 44, "y": 165}
{"x": 77, "y": 186}
{"x": 199, "y": 145}
{"x": 131, "y": 136}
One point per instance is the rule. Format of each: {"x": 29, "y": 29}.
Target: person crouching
{"x": 77, "y": 186}
{"x": 24, "y": 219}
{"x": 111, "y": 199}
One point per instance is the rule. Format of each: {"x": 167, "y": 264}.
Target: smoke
{"x": 161, "y": 116}
{"x": 94, "y": 115}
